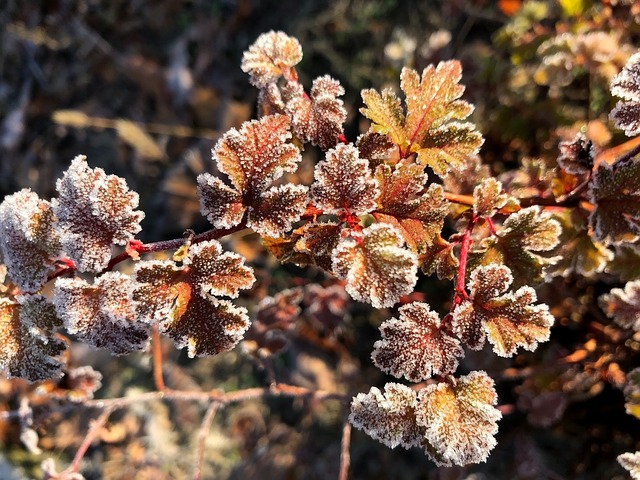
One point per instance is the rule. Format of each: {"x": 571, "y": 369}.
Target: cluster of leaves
{"x": 374, "y": 216}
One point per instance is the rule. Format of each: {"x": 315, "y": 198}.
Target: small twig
{"x": 345, "y": 457}
{"x": 203, "y": 432}
{"x": 156, "y": 347}
{"x": 97, "y": 424}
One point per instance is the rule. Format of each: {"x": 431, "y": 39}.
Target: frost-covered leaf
{"x": 343, "y": 181}
{"x": 319, "y": 117}
{"x": 632, "y": 393}
{"x": 615, "y": 192}
{"x": 459, "y": 419}
{"x": 418, "y": 212}
{"x": 271, "y": 56}
{"x": 378, "y": 270}
{"x": 576, "y": 156}
{"x": 430, "y": 126}
{"x": 375, "y": 147}
{"x": 623, "y": 305}
{"x": 577, "y": 252}
{"x": 388, "y": 418}
{"x": 487, "y": 199}
{"x": 29, "y": 242}
{"x": 631, "y": 462}
{"x": 518, "y": 242}
{"x": 509, "y": 320}
{"x": 439, "y": 258}
{"x": 94, "y": 211}
{"x": 415, "y": 346}
{"x": 626, "y": 114}
{"x": 28, "y": 346}
{"x": 101, "y": 315}
{"x": 253, "y": 157}
{"x": 182, "y": 300}
{"x": 319, "y": 240}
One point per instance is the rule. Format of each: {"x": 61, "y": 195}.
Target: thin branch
{"x": 345, "y": 458}
{"x": 203, "y": 432}
{"x": 156, "y": 347}
{"x": 96, "y": 426}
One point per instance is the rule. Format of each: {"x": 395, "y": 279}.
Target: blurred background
{"x": 145, "y": 88}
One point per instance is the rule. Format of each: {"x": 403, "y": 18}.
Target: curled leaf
{"x": 510, "y": 320}
{"x": 459, "y": 419}
{"x": 271, "y": 56}
{"x": 376, "y": 267}
{"x": 576, "y": 156}
{"x": 415, "y": 346}
{"x": 29, "y": 241}
{"x": 94, "y": 211}
{"x": 388, "y": 418}
{"x": 317, "y": 118}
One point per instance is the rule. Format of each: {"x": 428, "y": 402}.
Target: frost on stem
{"x": 29, "y": 241}
{"x": 431, "y": 125}
{"x": 623, "y": 305}
{"x": 509, "y": 320}
{"x": 317, "y": 118}
{"x": 253, "y": 158}
{"x": 94, "y": 211}
{"x": 415, "y": 346}
{"x": 28, "y": 345}
{"x": 626, "y": 114}
{"x": 343, "y": 181}
{"x": 183, "y": 301}
{"x": 378, "y": 270}
{"x": 271, "y": 56}
{"x": 101, "y": 314}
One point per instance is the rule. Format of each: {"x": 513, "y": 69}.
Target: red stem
{"x": 465, "y": 246}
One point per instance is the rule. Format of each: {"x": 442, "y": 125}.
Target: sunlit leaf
{"x": 487, "y": 199}
{"x": 375, "y": 147}
{"x": 378, "y": 270}
{"x": 576, "y": 156}
{"x": 343, "y": 181}
{"x": 94, "y": 211}
{"x": 430, "y": 126}
{"x": 317, "y": 118}
{"x": 29, "y": 242}
{"x": 271, "y": 56}
{"x": 319, "y": 240}
{"x": 615, "y": 192}
{"x": 459, "y": 419}
{"x": 509, "y": 320}
{"x": 416, "y": 346}
{"x": 28, "y": 348}
{"x": 253, "y": 157}
{"x": 439, "y": 258}
{"x": 632, "y": 392}
{"x": 623, "y": 305}
{"x": 518, "y": 244}
{"x": 404, "y": 201}
{"x": 101, "y": 315}
{"x": 183, "y": 301}
{"x": 389, "y": 417}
